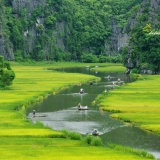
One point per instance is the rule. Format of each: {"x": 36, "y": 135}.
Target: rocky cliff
{"x": 5, "y": 45}
{"x": 121, "y": 36}
{"x": 118, "y": 39}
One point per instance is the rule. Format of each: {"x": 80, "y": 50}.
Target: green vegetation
{"x": 111, "y": 68}
{"x": 93, "y": 140}
{"x": 136, "y": 102}
{"x": 145, "y": 49}
{"x": 85, "y": 27}
{"x": 20, "y": 139}
{"x": 145, "y": 42}
{"x": 7, "y": 75}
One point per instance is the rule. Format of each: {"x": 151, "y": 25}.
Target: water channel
{"x": 60, "y": 112}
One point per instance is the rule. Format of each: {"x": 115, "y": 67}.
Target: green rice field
{"x": 20, "y": 139}
{"x": 137, "y": 103}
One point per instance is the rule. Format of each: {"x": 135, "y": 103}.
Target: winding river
{"x": 60, "y": 112}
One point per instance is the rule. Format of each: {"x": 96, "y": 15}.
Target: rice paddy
{"x": 137, "y": 102}
{"x": 20, "y": 139}
{"x": 114, "y": 68}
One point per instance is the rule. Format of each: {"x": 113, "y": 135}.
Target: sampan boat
{"x": 82, "y": 107}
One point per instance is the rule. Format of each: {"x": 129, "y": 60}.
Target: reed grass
{"x": 72, "y": 135}
{"x": 93, "y": 140}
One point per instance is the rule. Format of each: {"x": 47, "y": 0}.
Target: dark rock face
{"x": 30, "y": 5}
{"x": 118, "y": 39}
{"x": 5, "y": 47}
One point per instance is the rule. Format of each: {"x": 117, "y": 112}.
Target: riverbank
{"x": 110, "y": 68}
{"x": 136, "y": 103}
{"x": 20, "y": 139}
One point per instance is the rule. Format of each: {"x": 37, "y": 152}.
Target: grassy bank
{"x": 20, "y": 139}
{"x": 112, "y": 68}
{"x": 136, "y": 102}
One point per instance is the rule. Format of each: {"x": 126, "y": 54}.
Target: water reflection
{"x": 60, "y": 112}
{"x": 83, "y": 121}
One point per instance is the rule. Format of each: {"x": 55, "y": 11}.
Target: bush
{"x": 72, "y": 135}
{"x": 7, "y": 75}
{"x": 103, "y": 59}
{"x": 135, "y": 70}
{"x": 93, "y": 140}
{"x": 88, "y": 139}
{"x": 89, "y": 58}
{"x": 96, "y": 141}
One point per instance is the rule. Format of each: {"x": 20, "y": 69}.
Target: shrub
{"x": 89, "y": 58}
{"x": 135, "y": 70}
{"x": 96, "y": 141}
{"x": 103, "y": 59}
{"x": 7, "y": 75}
{"x": 88, "y": 139}
{"x": 72, "y": 135}
{"x": 93, "y": 140}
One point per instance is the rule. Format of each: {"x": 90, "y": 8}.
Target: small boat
{"x": 95, "y": 132}
{"x": 82, "y": 107}
{"x": 91, "y": 83}
{"x": 81, "y": 91}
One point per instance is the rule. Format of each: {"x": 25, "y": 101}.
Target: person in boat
{"x": 109, "y": 76}
{"x": 79, "y": 106}
{"x": 81, "y": 90}
{"x": 119, "y": 79}
{"x": 34, "y": 113}
{"x": 95, "y": 132}
{"x": 91, "y": 83}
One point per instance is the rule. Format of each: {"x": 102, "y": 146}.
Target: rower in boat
{"x": 81, "y": 91}
{"x": 91, "y": 83}
{"x": 95, "y": 132}
{"x": 82, "y": 107}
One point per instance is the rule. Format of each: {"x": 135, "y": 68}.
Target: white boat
{"x": 82, "y": 107}
{"x": 81, "y": 91}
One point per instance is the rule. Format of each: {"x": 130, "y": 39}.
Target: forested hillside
{"x": 65, "y": 30}
{"x": 62, "y": 29}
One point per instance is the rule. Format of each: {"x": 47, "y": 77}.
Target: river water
{"x": 60, "y": 112}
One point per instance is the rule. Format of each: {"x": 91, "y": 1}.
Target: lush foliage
{"x": 144, "y": 44}
{"x": 7, "y": 75}
{"x": 85, "y": 27}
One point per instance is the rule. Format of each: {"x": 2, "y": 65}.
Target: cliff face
{"x": 30, "y": 5}
{"x": 6, "y": 48}
{"x": 118, "y": 39}
{"x": 5, "y": 45}
{"x": 121, "y": 36}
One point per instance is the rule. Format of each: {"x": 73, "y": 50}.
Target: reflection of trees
{"x": 127, "y": 78}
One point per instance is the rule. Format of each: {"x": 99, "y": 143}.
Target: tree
{"x": 7, "y": 75}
